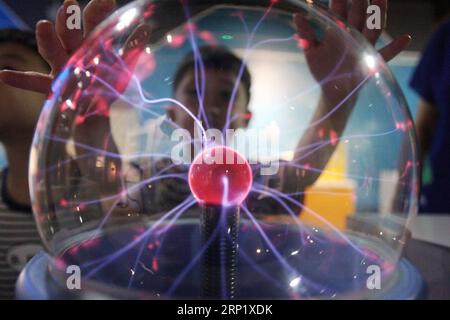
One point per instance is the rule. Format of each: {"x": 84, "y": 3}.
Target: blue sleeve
{"x": 430, "y": 67}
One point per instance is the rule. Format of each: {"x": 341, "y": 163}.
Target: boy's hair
{"x": 26, "y": 39}
{"x": 216, "y": 58}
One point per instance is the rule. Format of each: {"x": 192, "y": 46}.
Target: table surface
{"x": 429, "y": 251}
{"x": 432, "y": 228}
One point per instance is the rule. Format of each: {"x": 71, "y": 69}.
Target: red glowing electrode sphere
{"x": 220, "y": 176}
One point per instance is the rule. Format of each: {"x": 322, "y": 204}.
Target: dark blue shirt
{"x": 431, "y": 80}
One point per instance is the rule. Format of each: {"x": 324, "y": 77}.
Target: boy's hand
{"x": 107, "y": 81}
{"x": 339, "y": 72}
{"x": 57, "y": 43}
{"x": 332, "y": 67}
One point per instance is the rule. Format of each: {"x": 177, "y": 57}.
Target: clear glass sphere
{"x": 132, "y": 182}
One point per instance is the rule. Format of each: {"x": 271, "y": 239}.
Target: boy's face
{"x": 218, "y": 90}
{"x": 19, "y": 109}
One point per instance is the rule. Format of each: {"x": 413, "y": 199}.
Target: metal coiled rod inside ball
{"x": 220, "y": 179}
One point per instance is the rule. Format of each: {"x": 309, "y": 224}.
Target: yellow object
{"x": 332, "y": 198}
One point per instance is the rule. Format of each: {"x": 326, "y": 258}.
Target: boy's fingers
{"x": 357, "y": 15}
{"x": 68, "y": 32}
{"x": 373, "y": 34}
{"x": 395, "y": 47}
{"x": 49, "y": 46}
{"x": 136, "y": 44}
{"x": 120, "y": 73}
{"x": 95, "y": 12}
{"x": 339, "y": 7}
{"x": 32, "y": 81}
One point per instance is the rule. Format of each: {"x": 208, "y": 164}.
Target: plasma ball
{"x": 220, "y": 176}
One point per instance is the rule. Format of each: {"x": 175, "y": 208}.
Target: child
{"x": 19, "y": 110}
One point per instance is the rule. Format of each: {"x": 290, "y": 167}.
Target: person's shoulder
{"x": 9, "y": 217}
{"x": 14, "y": 220}
{"x": 441, "y": 37}
{"x": 10, "y": 210}
{"x": 444, "y": 28}
{"x": 3, "y": 207}
{"x": 430, "y": 76}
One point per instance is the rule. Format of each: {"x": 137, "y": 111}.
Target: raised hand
{"x": 339, "y": 71}
{"x": 57, "y": 44}
{"x": 87, "y": 95}
{"x": 327, "y": 63}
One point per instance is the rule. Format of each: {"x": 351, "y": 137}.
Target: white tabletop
{"x": 432, "y": 228}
